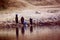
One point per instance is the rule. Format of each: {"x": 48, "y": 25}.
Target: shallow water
{"x": 39, "y": 33}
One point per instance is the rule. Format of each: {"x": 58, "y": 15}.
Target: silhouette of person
{"x": 16, "y": 18}
{"x": 31, "y": 29}
{"x": 31, "y": 22}
{"x": 25, "y": 24}
{"x": 22, "y": 20}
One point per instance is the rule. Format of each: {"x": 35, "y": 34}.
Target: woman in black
{"x": 31, "y": 22}
{"x": 22, "y": 20}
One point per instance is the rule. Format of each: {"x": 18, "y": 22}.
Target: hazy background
{"x": 27, "y": 3}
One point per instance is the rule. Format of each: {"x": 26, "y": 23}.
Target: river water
{"x": 39, "y": 33}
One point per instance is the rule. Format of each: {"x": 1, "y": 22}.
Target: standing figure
{"x": 22, "y": 20}
{"x": 31, "y": 22}
{"x": 25, "y": 24}
{"x": 16, "y": 18}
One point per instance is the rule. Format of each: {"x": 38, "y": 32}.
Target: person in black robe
{"x": 31, "y": 22}
{"x": 16, "y": 18}
{"x": 22, "y": 20}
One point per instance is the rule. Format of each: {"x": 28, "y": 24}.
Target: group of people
{"x": 24, "y": 25}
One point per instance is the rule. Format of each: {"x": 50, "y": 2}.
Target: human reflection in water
{"x": 17, "y": 33}
{"x": 31, "y": 29}
{"x": 22, "y": 30}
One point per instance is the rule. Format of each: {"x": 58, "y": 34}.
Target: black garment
{"x": 22, "y": 20}
{"x": 31, "y": 22}
{"x": 16, "y": 18}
